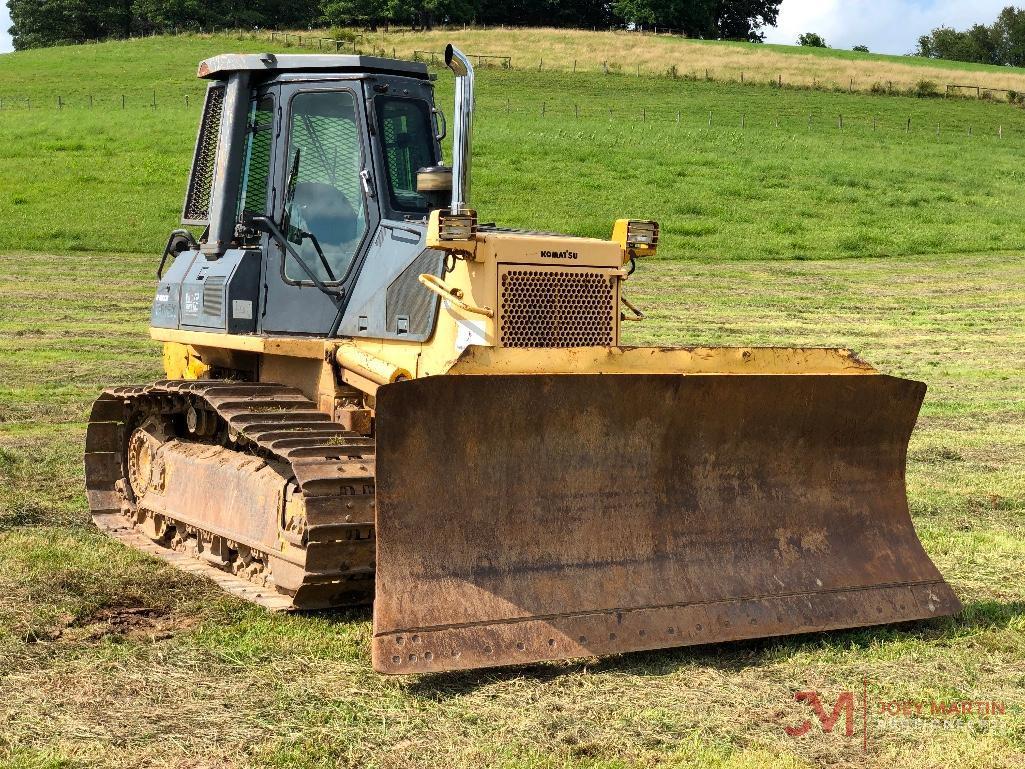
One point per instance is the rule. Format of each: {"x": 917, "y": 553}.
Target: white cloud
{"x": 885, "y": 26}
{"x": 5, "y": 23}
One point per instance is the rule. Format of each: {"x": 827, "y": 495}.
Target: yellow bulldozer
{"x": 372, "y": 397}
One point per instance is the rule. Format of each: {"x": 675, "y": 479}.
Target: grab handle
{"x": 453, "y": 295}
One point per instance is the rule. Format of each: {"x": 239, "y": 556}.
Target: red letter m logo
{"x": 844, "y": 705}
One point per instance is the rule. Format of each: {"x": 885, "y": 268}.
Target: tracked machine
{"x": 370, "y": 396}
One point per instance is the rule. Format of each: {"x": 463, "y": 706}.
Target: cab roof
{"x": 219, "y": 67}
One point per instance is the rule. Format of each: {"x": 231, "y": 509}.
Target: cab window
{"x": 407, "y": 138}
{"x": 253, "y": 191}
{"x": 325, "y": 213}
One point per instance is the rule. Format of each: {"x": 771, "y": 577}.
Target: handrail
{"x": 453, "y": 295}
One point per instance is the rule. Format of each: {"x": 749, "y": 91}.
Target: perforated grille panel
{"x": 213, "y": 295}
{"x": 197, "y": 199}
{"x": 551, "y": 307}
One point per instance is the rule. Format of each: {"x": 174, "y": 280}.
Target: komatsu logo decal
{"x": 560, "y": 255}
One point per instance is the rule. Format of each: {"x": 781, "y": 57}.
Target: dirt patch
{"x": 141, "y": 623}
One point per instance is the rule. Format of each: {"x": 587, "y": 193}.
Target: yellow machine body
{"x": 514, "y": 484}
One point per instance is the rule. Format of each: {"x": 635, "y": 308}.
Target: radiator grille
{"x": 213, "y": 295}
{"x": 557, "y": 308}
{"x": 197, "y": 199}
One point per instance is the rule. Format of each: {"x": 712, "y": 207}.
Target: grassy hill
{"x": 656, "y": 54}
{"x": 781, "y": 227}
{"x": 731, "y": 170}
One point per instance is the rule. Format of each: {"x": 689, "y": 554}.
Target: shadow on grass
{"x": 733, "y": 656}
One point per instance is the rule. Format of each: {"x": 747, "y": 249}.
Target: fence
{"x": 436, "y": 58}
{"x": 565, "y": 114}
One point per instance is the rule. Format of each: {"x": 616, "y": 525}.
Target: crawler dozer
{"x": 373, "y": 397}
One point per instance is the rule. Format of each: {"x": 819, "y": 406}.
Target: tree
{"x": 356, "y": 13}
{"x": 812, "y": 40}
{"x": 426, "y": 13}
{"x": 38, "y": 23}
{"x": 1008, "y": 35}
{"x": 708, "y": 19}
{"x": 860, "y": 48}
{"x": 744, "y": 19}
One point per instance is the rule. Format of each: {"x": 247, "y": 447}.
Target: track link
{"x": 320, "y": 553}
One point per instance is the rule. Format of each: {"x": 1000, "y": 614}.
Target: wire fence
{"x": 358, "y": 43}
{"x": 565, "y": 113}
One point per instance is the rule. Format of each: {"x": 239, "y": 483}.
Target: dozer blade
{"x": 525, "y": 518}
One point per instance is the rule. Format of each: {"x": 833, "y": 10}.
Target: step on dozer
{"x": 372, "y": 397}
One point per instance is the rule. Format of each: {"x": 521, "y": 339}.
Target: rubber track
{"x": 333, "y": 468}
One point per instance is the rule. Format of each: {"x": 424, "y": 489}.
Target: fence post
{"x": 969, "y": 130}
{"x": 908, "y": 129}
{"x": 840, "y": 122}
{"x": 574, "y": 66}
{"x": 741, "y": 78}
{"x": 780, "y": 79}
{"x": 743, "y": 121}
{"x": 677, "y": 117}
{"x": 122, "y": 101}
{"x": 90, "y": 101}
{"x": 605, "y": 66}
{"x": 709, "y": 118}
{"x": 544, "y": 107}
{"x": 154, "y": 99}
{"x": 644, "y": 115}
{"x": 540, "y": 64}
{"x": 186, "y": 101}
{"x": 60, "y": 103}
{"x": 576, "y": 110}
{"x": 1000, "y": 132}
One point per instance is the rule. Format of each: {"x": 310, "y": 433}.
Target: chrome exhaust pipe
{"x": 462, "y": 130}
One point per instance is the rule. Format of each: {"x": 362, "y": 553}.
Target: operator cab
{"x": 305, "y": 180}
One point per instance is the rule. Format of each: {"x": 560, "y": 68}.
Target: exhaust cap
{"x": 454, "y": 63}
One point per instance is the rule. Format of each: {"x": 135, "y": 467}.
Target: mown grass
{"x": 109, "y": 658}
{"x": 87, "y": 679}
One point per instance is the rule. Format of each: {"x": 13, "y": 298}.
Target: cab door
{"x": 325, "y": 206}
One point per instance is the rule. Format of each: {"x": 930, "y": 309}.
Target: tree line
{"x": 1001, "y": 43}
{"x": 38, "y": 23}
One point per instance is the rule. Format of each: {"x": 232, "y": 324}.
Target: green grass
{"x": 109, "y": 658}
{"x": 106, "y": 179}
{"x": 85, "y": 681}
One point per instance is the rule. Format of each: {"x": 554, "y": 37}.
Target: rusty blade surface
{"x": 523, "y": 518}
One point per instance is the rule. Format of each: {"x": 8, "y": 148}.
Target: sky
{"x": 5, "y": 23}
{"x": 885, "y": 26}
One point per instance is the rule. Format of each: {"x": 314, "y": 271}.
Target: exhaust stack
{"x": 463, "y": 119}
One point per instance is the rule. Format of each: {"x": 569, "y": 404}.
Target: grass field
{"x": 656, "y": 54}
{"x": 109, "y": 658}
{"x": 789, "y": 183}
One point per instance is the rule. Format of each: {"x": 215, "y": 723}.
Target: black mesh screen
{"x": 408, "y": 146}
{"x": 325, "y": 195}
{"x": 197, "y": 199}
{"x": 253, "y": 191}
